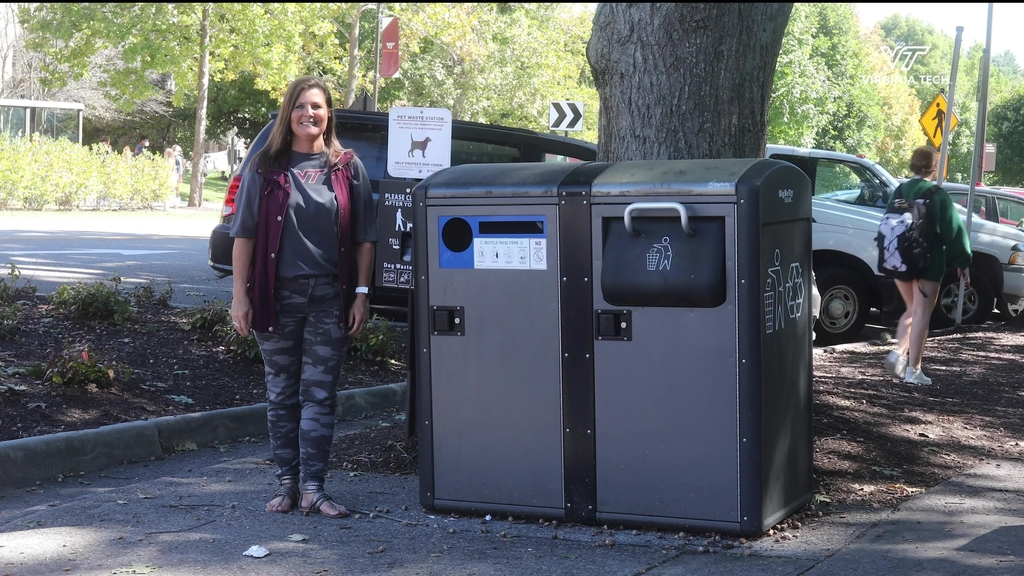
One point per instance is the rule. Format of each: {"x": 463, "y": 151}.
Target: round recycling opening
{"x": 457, "y": 235}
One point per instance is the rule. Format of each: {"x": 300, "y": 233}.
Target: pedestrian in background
{"x": 948, "y": 244}
{"x": 304, "y": 235}
{"x": 141, "y": 146}
{"x": 172, "y": 179}
{"x": 179, "y": 166}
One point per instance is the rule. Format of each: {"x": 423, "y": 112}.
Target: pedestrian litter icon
{"x": 660, "y": 256}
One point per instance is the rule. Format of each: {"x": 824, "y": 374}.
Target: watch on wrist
{"x": 362, "y": 289}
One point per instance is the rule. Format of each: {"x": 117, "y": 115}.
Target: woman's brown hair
{"x": 279, "y": 143}
{"x": 923, "y": 161}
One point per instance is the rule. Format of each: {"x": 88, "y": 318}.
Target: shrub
{"x": 376, "y": 343}
{"x": 145, "y": 294}
{"x": 208, "y": 317}
{"x": 75, "y": 366}
{"x": 9, "y": 320}
{"x": 10, "y": 292}
{"x": 95, "y": 302}
{"x": 36, "y": 175}
{"x": 213, "y": 321}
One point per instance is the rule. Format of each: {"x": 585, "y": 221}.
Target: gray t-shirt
{"x": 309, "y": 239}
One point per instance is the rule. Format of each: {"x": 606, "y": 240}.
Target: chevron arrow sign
{"x": 565, "y": 115}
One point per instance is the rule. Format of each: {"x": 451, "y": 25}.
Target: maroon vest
{"x": 273, "y": 206}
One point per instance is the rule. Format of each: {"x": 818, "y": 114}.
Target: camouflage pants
{"x": 302, "y": 358}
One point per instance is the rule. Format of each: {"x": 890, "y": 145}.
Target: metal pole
{"x": 376, "y": 65}
{"x": 948, "y": 120}
{"x": 979, "y": 145}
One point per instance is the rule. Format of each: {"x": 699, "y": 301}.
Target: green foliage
{"x": 40, "y": 173}
{"x": 834, "y": 89}
{"x": 9, "y": 320}
{"x": 208, "y": 317}
{"x": 146, "y": 294}
{"x": 376, "y": 343}
{"x": 494, "y": 63}
{"x": 1005, "y": 126}
{"x": 97, "y": 302}
{"x": 75, "y": 366}
{"x": 10, "y": 291}
{"x": 213, "y": 321}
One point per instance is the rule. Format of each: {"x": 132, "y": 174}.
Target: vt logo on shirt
{"x": 310, "y": 176}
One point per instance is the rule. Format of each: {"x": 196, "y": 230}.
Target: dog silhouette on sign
{"x": 420, "y": 145}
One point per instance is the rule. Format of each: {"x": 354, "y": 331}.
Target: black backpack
{"x": 904, "y": 236}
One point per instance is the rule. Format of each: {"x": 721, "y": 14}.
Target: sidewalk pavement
{"x": 195, "y": 511}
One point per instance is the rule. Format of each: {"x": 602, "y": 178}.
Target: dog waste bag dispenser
{"x": 616, "y": 342}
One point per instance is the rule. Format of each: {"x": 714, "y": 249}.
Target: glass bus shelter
{"x": 51, "y": 119}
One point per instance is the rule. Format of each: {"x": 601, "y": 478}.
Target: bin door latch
{"x": 613, "y": 324}
{"x": 448, "y": 321}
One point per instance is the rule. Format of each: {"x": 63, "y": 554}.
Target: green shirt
{"x": 950, "y": 245}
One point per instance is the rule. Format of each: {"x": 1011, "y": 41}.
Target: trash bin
{"x": 615, "y": 342}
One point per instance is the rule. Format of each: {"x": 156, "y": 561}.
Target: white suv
{"x": 849, "y": 196}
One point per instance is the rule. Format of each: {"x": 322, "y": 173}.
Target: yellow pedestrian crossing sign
{"x": 934, "y": 120}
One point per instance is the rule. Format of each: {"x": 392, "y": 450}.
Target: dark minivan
{"x": 367, "y": 134}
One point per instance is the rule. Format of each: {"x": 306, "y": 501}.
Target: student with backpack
{"x": 920, "y": 236}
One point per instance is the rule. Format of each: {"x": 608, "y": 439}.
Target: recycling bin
{"x": 623, "y": 343}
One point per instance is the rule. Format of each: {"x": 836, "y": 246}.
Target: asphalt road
{"x": 55, "y": 249}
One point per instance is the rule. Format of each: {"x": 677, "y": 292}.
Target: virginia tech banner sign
{"x": 389, "y": 48}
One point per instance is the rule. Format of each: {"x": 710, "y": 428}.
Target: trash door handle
{"x": 628, "y": 214}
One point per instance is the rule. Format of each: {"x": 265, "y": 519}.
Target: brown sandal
{"x": 318, "y": 502}
{"x": 289, "y": 489}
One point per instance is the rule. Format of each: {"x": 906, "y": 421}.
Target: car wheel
{"x": 844, "y": 305}
{"x": 978, "y": 302}
{"x": 1010, "y": 311}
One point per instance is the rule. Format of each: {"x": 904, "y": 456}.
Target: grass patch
{"x": 214, "y": 189}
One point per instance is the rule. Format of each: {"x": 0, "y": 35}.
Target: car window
{"x": 470, "y": 152}
{"x": 1010, "y": 211}
{"x": 370, "y": 143}
{"x": 960, "y": 198}
{"x": 849, "y": 183}
{"x": 548, "y": 157}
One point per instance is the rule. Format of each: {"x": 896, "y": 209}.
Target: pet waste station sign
{"x": 419, "y": 141}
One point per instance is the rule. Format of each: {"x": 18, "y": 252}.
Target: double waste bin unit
{"x": 623, "y": 343}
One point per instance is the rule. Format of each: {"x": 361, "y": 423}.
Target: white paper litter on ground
{"x": 256, "y": 551}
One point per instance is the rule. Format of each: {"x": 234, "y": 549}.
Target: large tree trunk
{"x": 195, "y": 196}
{"x": 684, "y": 80}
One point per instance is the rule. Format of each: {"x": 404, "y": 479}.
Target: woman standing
{"x": 949, "y": 246}
{"x": 304, "y": 232}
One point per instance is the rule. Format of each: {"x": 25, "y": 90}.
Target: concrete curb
{"x": 27, "y": 460}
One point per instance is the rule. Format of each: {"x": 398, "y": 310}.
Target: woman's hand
{"x": 965, "y": 274}
{"x": 358, "y": 314}
{"x": 241, "y": 314}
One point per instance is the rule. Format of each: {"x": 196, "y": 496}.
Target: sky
{"x": 1006, "y": 20}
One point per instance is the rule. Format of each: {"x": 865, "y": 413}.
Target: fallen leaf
{"x": 222, "y": 447}
{"x": 122, "y": 501}
{"x": 355, "y": 473}
{"x": 180, "y": 373}
{"x": 143, "y": 496}
{"x": 188, "y": 446}
{"x": 32, "y": 523}
{"x": 182, "y": 399}
{"x": 296, "y": 537}
{"x": 887, "y": 471}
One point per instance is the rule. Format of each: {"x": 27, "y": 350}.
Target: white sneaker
{"x": 896, "y": 363}
{"x": 916, "y": 377}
